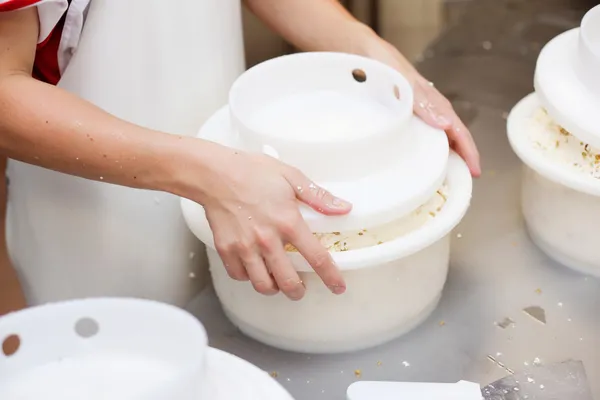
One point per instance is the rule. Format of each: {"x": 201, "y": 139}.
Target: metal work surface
{"x": 484, "y": 62}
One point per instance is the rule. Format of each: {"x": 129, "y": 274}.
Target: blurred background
{"x": 411, "y": 25}
{"x": 479, "y": 53}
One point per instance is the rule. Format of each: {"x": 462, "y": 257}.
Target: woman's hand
{"x": 252, "y": 209}
{"x": 429, "y": 104}
{"x": 433, "y": 108}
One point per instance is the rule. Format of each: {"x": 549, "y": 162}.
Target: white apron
{"x": 166, "y": 65}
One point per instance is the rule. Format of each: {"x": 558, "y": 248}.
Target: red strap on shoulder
{"x": 45, "y": 67}
{"x": 12, "y": 5}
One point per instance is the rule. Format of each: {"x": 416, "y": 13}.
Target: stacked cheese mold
{"x": 120, "y": 349}
{"x": 554, "y": 131}
{"x": 347, "y": 123}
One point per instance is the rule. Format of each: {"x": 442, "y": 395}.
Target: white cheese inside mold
{"x": 561, "y": 147}
{"x": 354, "y": 240}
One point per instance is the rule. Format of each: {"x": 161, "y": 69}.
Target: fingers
{"x": 283, "y": 271}
{"x": 464, "y": 145}
{"x": 259, "y": 275}
{"x": 265, "y": 264}
{"x": 431, "y": 113}
{"x": 250, "y": 237}
{"x": 276, "y": 261}
{"x": 319, "y": 258}
{"x": 315, "y": 196}
{"x": 433, "y": 108}
{"x": 234, "y": 266}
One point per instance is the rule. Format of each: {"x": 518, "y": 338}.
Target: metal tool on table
{"x": 560, "y": 381}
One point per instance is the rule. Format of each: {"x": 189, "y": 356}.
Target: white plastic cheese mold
{"x": 120, "y": 349}
{"x": 555, "y": 132}
{"x": 347, "y": 123}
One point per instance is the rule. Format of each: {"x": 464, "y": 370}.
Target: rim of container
{"x": 516, "y": 125}
{"x": 398, "y": 121}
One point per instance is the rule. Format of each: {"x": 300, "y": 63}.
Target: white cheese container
{"x": 364, "y": 144}
{"x": 120, "y": 349}
{"x": 554, "y": 132}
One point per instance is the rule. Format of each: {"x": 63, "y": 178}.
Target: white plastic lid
{"x": 347, "y": 123}
{"x": 567, "y": 79}
{"x": 118, "y": 349}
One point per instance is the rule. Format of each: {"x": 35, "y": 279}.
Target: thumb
{"x": 316, "y": 197}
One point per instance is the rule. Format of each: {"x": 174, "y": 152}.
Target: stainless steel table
{"x": 484, "y": 62}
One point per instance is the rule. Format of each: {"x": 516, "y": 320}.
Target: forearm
{"x": 325, "y": 25}
{"x": 46, "y": 126}
{"x": 312, "y": 25}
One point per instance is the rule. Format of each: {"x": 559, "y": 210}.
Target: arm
{"x": 325, "y": 25}
{"x": 47, "y": 126}
{"x": 331, "y": 27}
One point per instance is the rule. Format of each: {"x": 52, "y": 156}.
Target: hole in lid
{"x": 359, "y": 75}
{"x": 87, "y": 328}
{"x": 11, "y": 345}
{"x": 397, "y": 92}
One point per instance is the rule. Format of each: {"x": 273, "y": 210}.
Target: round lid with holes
{"x": 120, "y": 349}
{"x": 347, "y": 123}
{"x": 567, "y": 79}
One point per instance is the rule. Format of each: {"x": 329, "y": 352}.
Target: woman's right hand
{"x": 252, "y": 209}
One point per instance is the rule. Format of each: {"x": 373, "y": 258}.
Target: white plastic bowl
{"x": 561, "y": 206}
{"x": 381, "y": 304}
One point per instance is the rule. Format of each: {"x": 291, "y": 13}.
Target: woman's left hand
{"x": 430, "y": 105}
{"x": 433, "y": 108}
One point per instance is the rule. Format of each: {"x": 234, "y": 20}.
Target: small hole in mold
{"x": 11, "y": 345}
{"x": 359, "y": 75}
{"x": 396, "y": 92}
{"x": 87, "y": 328}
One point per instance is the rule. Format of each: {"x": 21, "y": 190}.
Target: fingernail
{"x": 337, "y": 289}
{"x": 297, "y": 289}
{"x": 296, "y": 296}
{"x": 339, "y": 203}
